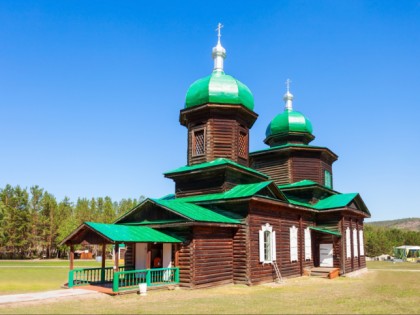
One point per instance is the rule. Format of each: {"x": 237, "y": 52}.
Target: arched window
{"x": 267, "y": 242}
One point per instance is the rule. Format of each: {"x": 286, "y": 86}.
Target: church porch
{"x": 152, "y": 263}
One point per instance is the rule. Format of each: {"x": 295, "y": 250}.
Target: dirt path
{"x": 36, "y": 296}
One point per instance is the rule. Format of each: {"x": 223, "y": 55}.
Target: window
{"x": 327, "y": 179}
{"x": 293, "y": 243}
{"x": 267, "y": 242}
{"x": 355, "y": 254}
{"x": 361, "y": 243}
{"x": 348, "y": 243}
{"x": 198, "y": 142}
{"x": 308, "y": 244}
{"x": 243, "y": 145}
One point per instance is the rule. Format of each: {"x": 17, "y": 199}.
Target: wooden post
{"x": 71, "y": 257}
{"x": 103, "y": 263}
{"x": 351, "y": 242}
{"x": 300, "y": 245}
{"x": 176, "y": 260}
{"x": 116, "y": 256}
{"x": 358, "y": 245}
{"x": 343, "y": 247}
{"x": 149, "y": 256}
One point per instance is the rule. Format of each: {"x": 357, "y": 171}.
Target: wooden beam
{"x": 149, "y": 256}
{"x": 71, "y": 257}
{"x": 116, "y": 256}
{"x": 301, "y": 244}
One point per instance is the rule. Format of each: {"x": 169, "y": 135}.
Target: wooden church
{"x": 236, "y": 216}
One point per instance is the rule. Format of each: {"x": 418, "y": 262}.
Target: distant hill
{"x": 411, "y": 224}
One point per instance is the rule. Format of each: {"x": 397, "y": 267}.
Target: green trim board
{"x": 214, "y": 163}
{"x": 292, "y": 145}
{"x": 324, "y": 230}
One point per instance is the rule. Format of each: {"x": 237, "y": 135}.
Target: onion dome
{"x": 219, "y": 87}
{"x": 289, "y": 126}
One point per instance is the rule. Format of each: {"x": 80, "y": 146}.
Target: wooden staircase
{"x": 323, "y": 272}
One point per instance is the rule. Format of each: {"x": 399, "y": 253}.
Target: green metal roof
{"x": 302, "y": 183}
{"x": 214, "y": 163}
{"x": 335, "y": 201}
{"x": 194, "y": 212}
{"x": 129, "y": 233}
{"x": 219, "y": 88}
{"x": 331, "y": 202}
{"x": 239, "y": 191}
{"x": 289, "y": 121}
{"x": 324, "y": 230}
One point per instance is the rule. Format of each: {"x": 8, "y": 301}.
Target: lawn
{"x": 23, "y": 276}
{"x": 377, "y": 292}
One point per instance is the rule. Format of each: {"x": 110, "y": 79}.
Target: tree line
{"x": 381, "y": 240}
{"x": 33, "y": 222}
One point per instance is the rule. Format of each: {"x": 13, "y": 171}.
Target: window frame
{"x": 294, "y": 244}
{"x": 328, "y": 179}
{"x": 267, "y": 237}
{"x": 245, "y": 142}
{"x": 194, "y": 142}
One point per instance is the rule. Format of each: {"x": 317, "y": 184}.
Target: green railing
{"x": 85, "y": 276}
{"x": 129, "y": 280}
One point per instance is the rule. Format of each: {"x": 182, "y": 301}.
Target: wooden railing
{"x": 85, "y": 276}
{"x": 129, "y": 280}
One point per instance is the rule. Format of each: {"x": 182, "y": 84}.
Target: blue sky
{"x": 90, "y": 91}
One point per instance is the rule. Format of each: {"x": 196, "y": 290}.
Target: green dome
{"x": 219, "y": 88}
{"x": 289, "y": 121}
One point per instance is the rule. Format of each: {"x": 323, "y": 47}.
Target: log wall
{"x": 240, "y": 256}
{"x": 277, "y": 169}
{"x": 221, "y": 137}
{"x": 212, "y": 256}
{"x": 353, "y": 263}
{"x": 281, "y": 219}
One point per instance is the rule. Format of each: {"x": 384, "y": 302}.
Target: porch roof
{"x": 114, "y": 233}
{"x": 324, "y": 230}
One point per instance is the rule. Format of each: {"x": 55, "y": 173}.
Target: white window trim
{"x": 294, "y": 244}
{"x": 308, "y": 244}
{"x": 355, "y": 245}
{"x": 348, "y": 243}
{"x": 361, "y": 243}
{"x": 264, "y": 228}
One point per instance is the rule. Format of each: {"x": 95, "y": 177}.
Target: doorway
{"x": 326, "y": 254}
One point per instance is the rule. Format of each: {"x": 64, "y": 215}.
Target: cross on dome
{"x": 288, "y": 97}
{"x": 218, "y": 53}
{"x": 288, "y": 81}
{"x": 219, "y": 27}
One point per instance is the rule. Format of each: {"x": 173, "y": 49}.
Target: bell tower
{"x": 218, "y": 114}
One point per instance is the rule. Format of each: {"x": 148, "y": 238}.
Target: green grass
{"x": 23, "y": 276}
{"x": 377, "y": 292}
{"x": 394, "y": 266}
